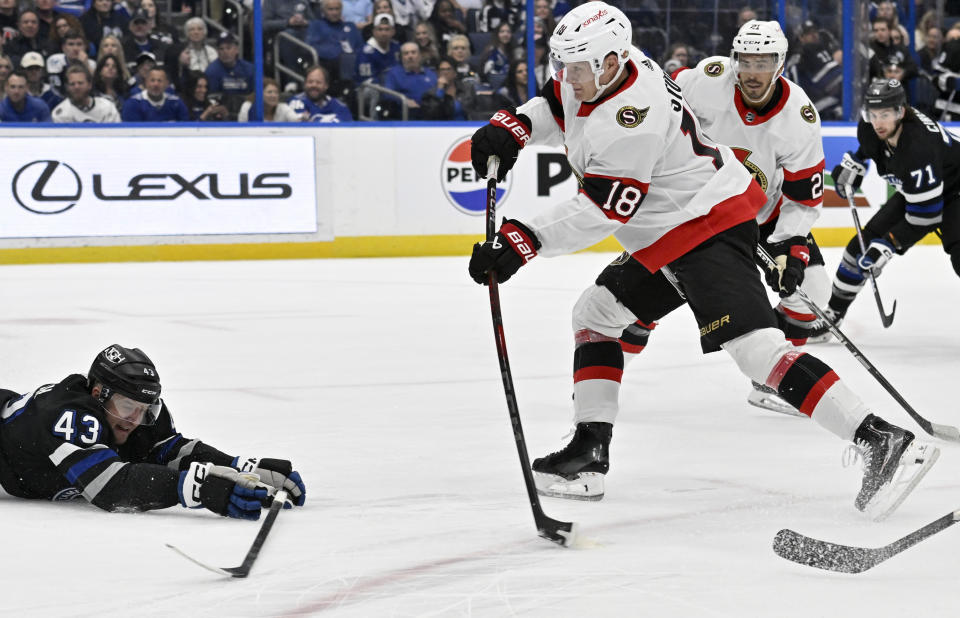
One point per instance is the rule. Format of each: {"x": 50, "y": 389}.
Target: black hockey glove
{"x": 849, "y": 173}
{"x": 278, "y": 473}
{"x": 879, "y": 252}
{"x": 223, "y": 490}
{"x": 791, "y": 256}
{"x": 503, "y": 137}
{"x": 512, "y": 247}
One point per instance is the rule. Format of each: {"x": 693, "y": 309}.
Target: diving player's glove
{"x": 792, "y": 256}
{"x": 849, "y": 173}
{"x": 278, "y": 473}
{"x": 879, "y": 252}
{"x": 223, "y": 490}
{"x": 512, "y": 247}
{"x": 503, "y": 137}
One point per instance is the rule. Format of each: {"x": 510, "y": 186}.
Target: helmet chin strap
{"x": 613, "y": 80}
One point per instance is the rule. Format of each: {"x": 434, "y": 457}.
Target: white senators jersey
{"x": 100, "y": 110}
{"x": 647, "y": 174}
{"x": 782, "y": 147}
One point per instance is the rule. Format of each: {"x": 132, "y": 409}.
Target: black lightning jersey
{"x": 924, "y": 167}
{"x": 56, "y": 444}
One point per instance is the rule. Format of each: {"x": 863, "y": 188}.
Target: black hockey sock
{"x": 804, "y": 381}
{"x": 635, "y": 337}
{"x": 598, "y": 360}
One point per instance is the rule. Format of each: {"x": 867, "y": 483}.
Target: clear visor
{"x": 130, "y": 411}
{"x": 573, "y": 72}
{"x": 881, "y": 114}
{"x": 755, "y": 63}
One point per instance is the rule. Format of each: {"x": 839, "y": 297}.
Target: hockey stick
{"x": 886, "y": 319}
{"x": 560, "y": 532}
{"x": 944, "y": 432}
{"x": 848, "y": 559}
{"x": 244, "y": 569}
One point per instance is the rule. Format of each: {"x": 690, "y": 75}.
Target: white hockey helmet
{"x": 760, "y": 37}
{"x": 584, "y": 37}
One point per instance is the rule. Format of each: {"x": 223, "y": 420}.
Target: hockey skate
{"x": 767, "y": 398}
{"x": 576, "y": 472}
{"x": 821, "y": 332}
{"x": 893, "y": 464}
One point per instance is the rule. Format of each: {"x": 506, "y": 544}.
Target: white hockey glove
{"x": 878, "y": 253}
{"x": 849, "y": 173}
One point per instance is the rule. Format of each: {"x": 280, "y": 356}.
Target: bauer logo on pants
{"x": 466, "y": 191}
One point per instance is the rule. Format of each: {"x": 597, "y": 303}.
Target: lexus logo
{"x": 47, "y": 187}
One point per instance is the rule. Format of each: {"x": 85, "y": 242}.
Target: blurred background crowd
{"x": 372, "y": 60}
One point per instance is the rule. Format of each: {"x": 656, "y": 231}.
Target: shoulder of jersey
{"x": 636, "y": 109}
{"x": 712, "y": 67}
{"x": 799, "y": 106}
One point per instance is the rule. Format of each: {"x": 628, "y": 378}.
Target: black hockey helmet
{"x": 884, "y": 93}
{"x": 125, "y": 371}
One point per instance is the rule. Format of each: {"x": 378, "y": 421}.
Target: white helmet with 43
{"x": 584, "y": 38}
{"x": 759, "y": 47}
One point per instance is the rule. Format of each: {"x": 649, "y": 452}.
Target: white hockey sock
{"x": 840, "y": 411}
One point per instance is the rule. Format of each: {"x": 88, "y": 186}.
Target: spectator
{"x": 19, "y": 105}
{"x": 154, "y": 103}
{"x": 496, "y": 12}
{"x": 28, "y": 38}
{"x": 33, "y": 64}
{"x": 163, "y": 31}
{"x": 381, "y": 7}
{"x": 8, "y": 20}
{"x": 886, "y": 51}
{"x": 514, "y": 90}
{"x": 410, "y": 78}
{"x": 291, "y": 15}
{"x": 63, "y": 24}
{"x": 445, "y": 23}
{"x": 496, "y": 57}
{"x": 141, "y": 39}
{"x": 274, "y": 110}
{"x": 102, "y": 20}
{"x": 111, "y": 79}
{"x": 79, "y": 105}
{"x": 452, "y": 99}
{"x": 201, "y": 105}
{"x": 331, "y": 36}
{"x": 46, "y": 15}
{"x": 678, "y": 57}
{"x": 408, "y": 13}
{"x": 888, "y": 10}
{"x": 427, "y": 40}
{"x": 930, "y": 19}
{"x": 229, "y": 73}
{"x": 543, "y": 12}
{"x": 6, "y": 68}
{"x": 358, "y": 12}
{"x": 74, "y": 49}
{"x": 932, "y": 45}
{"x": 459, "y": 52}
{"x": 541, "y": 67}
{"x": 127, "y": 8}
{"x": 194, "y": 56}
{"x": 814, "y": 68}
{"x": 314, "y": 103}
{"x": 110, "y": 45}
{"x": 380, "y": 52}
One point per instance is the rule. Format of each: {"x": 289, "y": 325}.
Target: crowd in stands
{"x": 106, "y": 61}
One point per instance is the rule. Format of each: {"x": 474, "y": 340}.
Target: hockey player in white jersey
{"x": 685, "y": 210}
{"x": 743, "y": 101}
{"x": 80, "y": 105}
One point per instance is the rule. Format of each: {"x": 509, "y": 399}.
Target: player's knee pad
{"x": 599, "y": 310}
{"x": 758, "y": 352}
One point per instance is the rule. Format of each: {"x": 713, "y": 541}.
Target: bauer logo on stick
{"x": 466, "y": 191}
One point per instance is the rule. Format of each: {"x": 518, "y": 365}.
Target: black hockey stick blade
{"x": 562, "y": 533}
{"x": 828, "y": 556}
{"x": 244, "y": 569}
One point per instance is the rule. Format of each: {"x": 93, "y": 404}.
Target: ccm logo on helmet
{"x": 596, "y": 17}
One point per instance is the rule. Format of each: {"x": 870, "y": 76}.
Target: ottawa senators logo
{"x": 714, "y": 69}
{"x": 629, "y": 116}
{"x": 808, "y": 113}
{"x": 742, "y": 155}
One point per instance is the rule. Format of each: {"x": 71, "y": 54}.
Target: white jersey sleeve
{"x": 546, "y": 116}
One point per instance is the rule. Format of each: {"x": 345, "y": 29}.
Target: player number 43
{"x": 87, "y": 430}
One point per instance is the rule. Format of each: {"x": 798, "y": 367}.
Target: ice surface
{"x": 379, "y": 379}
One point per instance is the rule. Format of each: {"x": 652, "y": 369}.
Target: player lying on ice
{"x": 685, "y": 210}
{"x": 110, "y": 438}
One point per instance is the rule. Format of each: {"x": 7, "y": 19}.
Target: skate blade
{"x": 824, "y": 338}
{"x": 918, "y": 456}
{"x": 585, "y": 486}
{"x": 771, "y": 402}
